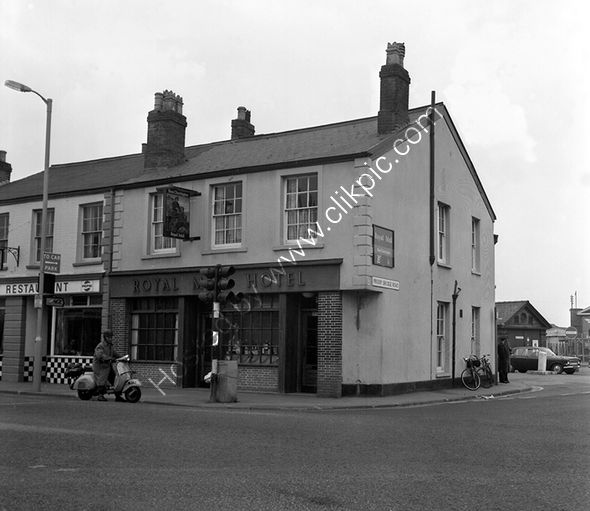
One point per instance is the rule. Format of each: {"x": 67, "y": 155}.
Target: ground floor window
{"x": 442, "y": 312}
{"x": 154, "y": 329}
{"x": 250, "y": 332}
{"x": 77, "y": 331}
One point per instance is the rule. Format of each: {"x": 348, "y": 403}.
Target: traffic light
{"x": 48, "y": 283}
{"x": 207, "y": 283}
{"x": 224, "y": 284}
{"x": 216, "y": 285}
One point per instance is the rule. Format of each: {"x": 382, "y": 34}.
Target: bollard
{"x": 542, "y": 361}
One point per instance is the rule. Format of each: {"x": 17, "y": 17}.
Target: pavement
{"x": 200, "y": 397}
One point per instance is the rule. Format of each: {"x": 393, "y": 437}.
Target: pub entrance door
{"x": 309, "y": 351}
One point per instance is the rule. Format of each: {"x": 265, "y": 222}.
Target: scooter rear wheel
{"x": 84, "y": 395}
{"x": 133, "y": 394}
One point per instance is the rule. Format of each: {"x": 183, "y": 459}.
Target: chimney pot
{"x": 166, "y": 132}
{"x": 5, "y": 169}
{"x": 395, "y": 53}
{"x": 395, "y": 90}
{"x": 241, "y": 127}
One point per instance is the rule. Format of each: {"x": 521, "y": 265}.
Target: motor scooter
{"x": 82, "y": 379}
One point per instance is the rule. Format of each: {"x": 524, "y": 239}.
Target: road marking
{"x": 20, "y": 403}
{"x": 7, "y": 426}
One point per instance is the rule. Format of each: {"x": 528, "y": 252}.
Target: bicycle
{"x": 470, "y": 377}
{"x": 477, "y": 373}
{"x": 486, "y": 375}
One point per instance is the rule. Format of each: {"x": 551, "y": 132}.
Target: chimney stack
{"x": 5, "y": 169}
{"x": 166, "y": 132}
{"x": 395, "y": 88}
{"x": 241, "y": 127}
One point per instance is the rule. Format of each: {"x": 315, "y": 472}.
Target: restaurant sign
{"x": 62, "y": 287}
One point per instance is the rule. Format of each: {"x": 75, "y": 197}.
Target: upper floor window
{"x": 91, "y": 230}
{"x": 475, "y": 245}
{"x": 301, "y": 207}
{"x": 227, "y": 214}
{"x": 158, "y": 242}
{"x": 443, "y": 250}
{"x": 37, "y": 220}
{"x": 3, "y": 236}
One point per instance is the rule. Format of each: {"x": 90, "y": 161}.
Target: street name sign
{"x": 386, "y": 283}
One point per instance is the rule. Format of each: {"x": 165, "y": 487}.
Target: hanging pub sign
{"x": 176, "y": 214}
{"x": 383, "y": 247}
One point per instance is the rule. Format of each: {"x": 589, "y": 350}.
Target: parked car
{"x": 526, "y": 358}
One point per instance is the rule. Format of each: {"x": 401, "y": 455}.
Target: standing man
{"x": 104, "y": 354}
{"x": 504, "y": 360}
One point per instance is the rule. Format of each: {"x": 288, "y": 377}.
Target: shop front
{"x": 72, "y": 325}
{"x": 274, "y": 332}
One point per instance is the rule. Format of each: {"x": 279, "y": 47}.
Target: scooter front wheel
{"x": 84, "y": 395}
{"x": 133, "y": 394}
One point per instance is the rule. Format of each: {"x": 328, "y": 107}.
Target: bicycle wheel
{"x": 470, "y": 379}
{"x": 485, "y": 376}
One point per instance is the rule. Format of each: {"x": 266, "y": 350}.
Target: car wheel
{"x": 569, "y": 371}
{"x": 522, "y": 370}
{"x": 557, "y": 368}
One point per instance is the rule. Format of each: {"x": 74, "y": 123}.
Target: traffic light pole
{"x": 216, "y": 286}
{"x": 216, "y": 342}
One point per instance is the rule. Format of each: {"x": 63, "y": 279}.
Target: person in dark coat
{"x": 104, "y": 354}
{"x": 504, "y": 360}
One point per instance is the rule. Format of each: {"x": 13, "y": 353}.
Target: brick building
{"x": 364, "y": 249}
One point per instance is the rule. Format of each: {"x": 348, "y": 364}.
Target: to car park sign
{"x": 571, "y": 332}
{"x": 51, "y": 262}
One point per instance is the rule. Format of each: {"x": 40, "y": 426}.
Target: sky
{"x": 513, "y": 74}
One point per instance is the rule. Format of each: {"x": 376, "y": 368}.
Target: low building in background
{"x": 521, "y": 324}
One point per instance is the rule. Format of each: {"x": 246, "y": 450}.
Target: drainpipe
{"x": 456, "y": 292}
{"x": 110, "y": 263}
{"x": 431, "y": 257}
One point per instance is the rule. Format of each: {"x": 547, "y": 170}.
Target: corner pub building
{"x": 364, "y": 249}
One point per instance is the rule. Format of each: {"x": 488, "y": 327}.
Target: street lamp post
{"x": 38, "y": 353}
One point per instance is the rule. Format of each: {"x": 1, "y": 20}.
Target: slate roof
{"x": 506, "y": 310}
{"x": 321, "y": 142}
{"x": 314, "y": 145}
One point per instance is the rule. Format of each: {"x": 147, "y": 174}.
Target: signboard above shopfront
{"x": 299, "y": 279}
{"x": 62, "y": 287}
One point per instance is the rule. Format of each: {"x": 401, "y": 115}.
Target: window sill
{"x": 92, "y": 262}
{"x": 222, "y": 250}
{"x": 304, "y": 246}
{"x": 444, "y": 265}
{"x": 475, "y": 272}
{"x": 443, "y": 375}
{"x": 33, "y": 266}
{"x": 160, "y": 256}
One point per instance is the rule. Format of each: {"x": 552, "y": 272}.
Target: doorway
{"x": 309, "y": 350}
